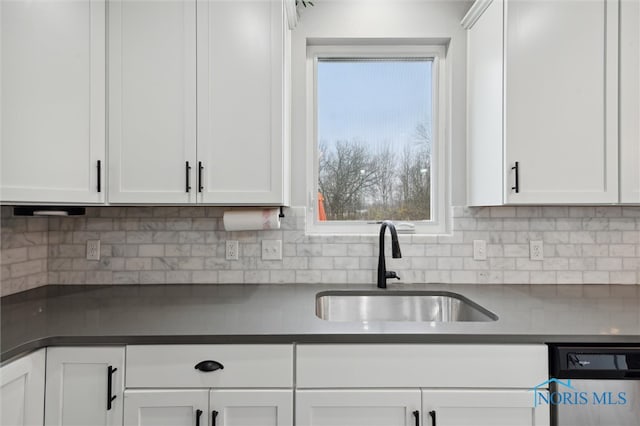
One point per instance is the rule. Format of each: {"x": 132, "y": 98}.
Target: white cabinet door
{"x": 52, "y": 113}
{"x": 241, "y": 102}
{"x": 80, "y": 383}
{"x": 22, "y": 391}
{"x": 152, "y": 101}
{"x": 186, "y": 407}
{"x": 482, "y": 408}
{"x": 484, "y": 107}
{"x": 630, "y": 101}
{"x": 357, "y": 407}
{"x": 246, "y": 407}
{"x": 561, "y": 102}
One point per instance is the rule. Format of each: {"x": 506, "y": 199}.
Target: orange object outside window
{"x": 322, "y": 215}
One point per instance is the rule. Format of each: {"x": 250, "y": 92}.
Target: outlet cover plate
{"x": 231, "y": 252}
{"x": 93, "y": 249}
{"x": 479, "y": 250}
{"x": 271, "y": 249}
{"x": 536, "y": 250}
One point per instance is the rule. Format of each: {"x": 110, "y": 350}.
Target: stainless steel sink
{"x": 418, "y": 306}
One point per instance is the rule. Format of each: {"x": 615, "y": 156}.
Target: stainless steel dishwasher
{"x": 594, "y": 385}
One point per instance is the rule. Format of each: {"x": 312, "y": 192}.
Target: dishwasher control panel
{"x": 595, "y": 362}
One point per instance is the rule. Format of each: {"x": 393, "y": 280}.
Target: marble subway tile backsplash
{"x": 140, "y": 245}
{"x": 23, "y": 252}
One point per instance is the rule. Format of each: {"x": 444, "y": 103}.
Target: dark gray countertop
{"x": 61, "y": 315}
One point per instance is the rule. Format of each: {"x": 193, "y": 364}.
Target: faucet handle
{"x": 392, "y": 274}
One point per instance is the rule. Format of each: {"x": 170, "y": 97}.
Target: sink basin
{"x": 417, "y": 306}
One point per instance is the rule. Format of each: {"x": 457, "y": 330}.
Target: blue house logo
{"x": 566, "y": 394}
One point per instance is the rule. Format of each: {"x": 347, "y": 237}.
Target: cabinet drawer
{"x": 173, "y": 366}
{"x": 407, "y": 366}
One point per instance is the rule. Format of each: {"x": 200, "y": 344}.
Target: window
{"x": 376, "y": 129}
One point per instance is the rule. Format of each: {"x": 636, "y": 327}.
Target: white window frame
{"x": 440, "y": 209}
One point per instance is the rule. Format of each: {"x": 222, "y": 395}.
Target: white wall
{"x": 382, "y": 19}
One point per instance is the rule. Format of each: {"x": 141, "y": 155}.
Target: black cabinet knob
{"x": 209, "y": 365}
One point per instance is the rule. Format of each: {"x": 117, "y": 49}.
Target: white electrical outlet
{"x": 536, "y": 250}
{"x": 232, "y": 250}
{"x": 271, "y": 249}
{"x": 93, "y": 249}
{"x": 479, "y": 250}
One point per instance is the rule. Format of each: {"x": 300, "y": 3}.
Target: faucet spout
{"x": 383, "y": 274}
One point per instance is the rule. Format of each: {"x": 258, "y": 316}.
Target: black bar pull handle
{"x": 209, "y": 365}
{"x": 110, "y": 397}
{"x": 200, "y": 167}
{"x": 198, "y": 414}
{"x": 416, "y": 414}
{"x": 516, "y": 187}
{"x": 214, "y": 414}
{"x": 99, "y": 167}
{"x": 188, "y": 177}
{"x": 433, "y": 417}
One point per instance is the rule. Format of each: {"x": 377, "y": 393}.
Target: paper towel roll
{"x": 251, "y": 220}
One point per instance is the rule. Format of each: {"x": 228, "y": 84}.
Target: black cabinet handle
{"x": 200, "y": 167}
{"x": 416, "y": 414}
{"x": 516, "y": 187}
{"x": 198, "y": 414}
{"x": 99, "y": 167}
{"x": 188, "y": 177}
{"x": 110, "y": 398}
{"x": 214, "y": 414}
{"x": 209, "y": 365}
{"x": 433, "y": 417}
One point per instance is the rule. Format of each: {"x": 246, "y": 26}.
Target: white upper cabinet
{"x": 553, "y": 119}
{"x": 630, "y": 101}
{"x": 242, "y": 102}
{"x": 52, "y": 117}
{"x": 484, "y": 107}
{"x": 152, "y": 101}
{"x": 561, "y": 90}
{"x": 237, "y": 153}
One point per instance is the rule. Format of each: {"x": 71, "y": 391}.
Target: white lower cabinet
{"x": 409, "y": 407}
{"x": 358, "y": 407}
{"x": 22, "y": 391}
{"x": 84, "y": 386}
{"x": 251, "y": 407}
{"x": 421, "y": 385}
{"x": 217, "y": 385}
{"x": 461, "y": 407}
{"x": 216, "y": 407}
{"x": 166, "y": 407}
{"x": 253, "y": 385}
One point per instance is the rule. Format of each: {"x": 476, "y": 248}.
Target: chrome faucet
{"x": 383, "y": 274}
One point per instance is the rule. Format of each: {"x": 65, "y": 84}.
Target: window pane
{"x": 375, "y": 142}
